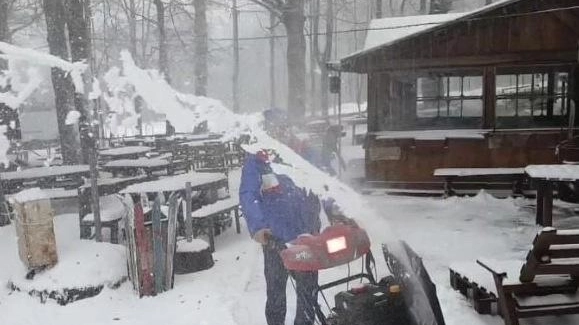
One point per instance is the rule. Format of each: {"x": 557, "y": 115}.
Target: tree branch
{"x": 274, "y": 6}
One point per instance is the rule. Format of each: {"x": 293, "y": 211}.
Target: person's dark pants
{"x": 276, "y": 279}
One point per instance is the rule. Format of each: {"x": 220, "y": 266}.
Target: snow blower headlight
{"x": 337, "y": 244}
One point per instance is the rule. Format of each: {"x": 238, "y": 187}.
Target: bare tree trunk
{"x": 378, "y": 8}
{"x": 325, "y": 79}
{"x": 293, "y": 19}
{"x": 272, "y": 60}
{"x": 4, "y": 31}
{"x": 61, "y": 81}
{"x": 163, "y": 58}
{"x": 314, "y": 52}
{"x": 78, "y": 33}
{"x": 132, "y": 17}
{"x": 201, "y": 47}
{"x": 423, "y": 9}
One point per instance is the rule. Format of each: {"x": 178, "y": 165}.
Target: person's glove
{"x": 263, "y": 236}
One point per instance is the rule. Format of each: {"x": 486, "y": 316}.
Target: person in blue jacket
{"x": 274, "y": 207}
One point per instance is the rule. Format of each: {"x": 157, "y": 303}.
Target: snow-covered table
{"x": 543, "y": 177}
{"x": 69, "y": 176}
{"x": 127, "y": 152}
{"x": 130, "y": 167}
{"x": 199, "y": 182}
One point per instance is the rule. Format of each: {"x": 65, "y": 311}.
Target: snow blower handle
{"x": 275, "y": 243}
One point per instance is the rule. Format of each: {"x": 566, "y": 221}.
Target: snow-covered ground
{"x": 443, "y": 231}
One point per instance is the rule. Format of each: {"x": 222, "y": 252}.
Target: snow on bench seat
{"x": 217, "y": 207}
{"x": 111, "y": 208}
{"x": 548, "y": 300}
{"x": 477, "y": 171}
{"x": 553, "y": 172}
{"x": 196, "y": 245}
{"x": 36, "y": 193}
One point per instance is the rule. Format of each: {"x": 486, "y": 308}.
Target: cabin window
{"x": 529, "y": 100}
{"x": 449, "y": 96}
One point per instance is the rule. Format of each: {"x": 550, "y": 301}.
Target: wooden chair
{"x": 547, "y": 283}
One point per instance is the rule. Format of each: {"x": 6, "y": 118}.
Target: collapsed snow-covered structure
{"x": 489, "y": 88}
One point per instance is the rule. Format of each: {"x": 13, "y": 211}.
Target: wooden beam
{"x": 489, "y": 97}
{"x": 527, "y": 58}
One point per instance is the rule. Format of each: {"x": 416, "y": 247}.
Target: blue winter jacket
{"x": 288, "y": 212}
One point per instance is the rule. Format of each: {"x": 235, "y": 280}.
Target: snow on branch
{"x": 76, "y": 69}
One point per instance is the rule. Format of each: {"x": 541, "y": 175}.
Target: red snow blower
{"x": 368, "y": 303}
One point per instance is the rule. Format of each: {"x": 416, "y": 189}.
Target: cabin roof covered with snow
{"x": 461, "y": 40}
{"x": 384, "y": 31}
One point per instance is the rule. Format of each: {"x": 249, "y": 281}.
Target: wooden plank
{"x": 159, "y": 250}
{"x": 130, "y": 242}
{"x": 174, "y": 204}
{"x": 146, "y": 284}
{"x": 188, "y": 220}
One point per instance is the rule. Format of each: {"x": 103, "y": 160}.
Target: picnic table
{"x": 68, "y": 176}
{"x": 544, "y": 177}
{"x": 127, "y": 152}
{"x": 199, "y": 182}
{"x": 513, "y": 176}
{"x": 205, "y": 154}
{"x": 106, "y": 187}
{"x": 204, "y": 183}
{"x": 130, "y": 167}
{"x": 180, "y": 138}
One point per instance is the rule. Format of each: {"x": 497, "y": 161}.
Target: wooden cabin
{"x": 489, "y": 88}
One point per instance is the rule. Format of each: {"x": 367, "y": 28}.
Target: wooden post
{"x": 188, "y": 221}
{"x": 237, "y": 225}
{"x": 96, "y": 210}
{"x": 551, "y": 93}
{"x": 539, "y": 209}
{"x": 548, "y": 204}
{"x": 489, "y": 97}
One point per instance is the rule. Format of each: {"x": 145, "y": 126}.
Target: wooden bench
{"x": 111, "y": 213}
{"x": 515, "y": 177}
{"x": 207, "y": 216}
{"x": 547, "y": 282}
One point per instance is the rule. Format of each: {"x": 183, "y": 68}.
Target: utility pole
{"x": 235, "y": 14}
{"x": 272, "y": 60}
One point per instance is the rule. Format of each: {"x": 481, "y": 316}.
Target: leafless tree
{"x": 54, "y": 11}
{"x": 163, "y": 46}
{"x": 201, "y": 47}
{"x": 292, "y": 16}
